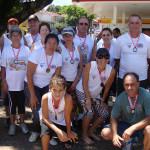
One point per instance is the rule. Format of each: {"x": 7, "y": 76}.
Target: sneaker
{"x": 53, "y": 142}
{"x": 7, "y": 122}
{"x": 12, "y": 130}
{"x": 24, "y": 128}
{"x": 127, "y": 145}
{"x": 34, "y": 136}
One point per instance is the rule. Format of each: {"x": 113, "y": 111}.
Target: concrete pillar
{"x": 114, "y": 16}
{"x": 123, "y": 21}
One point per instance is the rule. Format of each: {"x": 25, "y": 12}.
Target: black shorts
{"x": 16, "y": 98}
{"x": 6, "y": 99}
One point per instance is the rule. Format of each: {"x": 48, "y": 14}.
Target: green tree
{"x": 53, "y": 8}
{"x": 73, "y": 12}
{"x": 19, "y": 9}
{"x": 59, "y": 26}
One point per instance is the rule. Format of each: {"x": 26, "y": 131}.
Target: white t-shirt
{"x": 40, "y": 77}
{"x": 88, "y": 47}
{"x": 7, "y": 41}
{"x": 94, "y": 80}
{"x": 111, "y": 52}
{"x": 68, "y": 70}
{"x": 29, "y": 38}
{"x": 38, "y": 45}
{"x": 15, "y": 69}
{"x": 131, "y": 61}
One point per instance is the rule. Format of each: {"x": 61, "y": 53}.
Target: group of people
{"x": 57, "y": 76}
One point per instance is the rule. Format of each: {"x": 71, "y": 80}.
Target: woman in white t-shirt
{"x": 97, "y": 74}
{"x": 44, "y": 30}
{"x": 43, "y": 63}
{"x": 72, "y": 65}
{"x": 14, "y": 67}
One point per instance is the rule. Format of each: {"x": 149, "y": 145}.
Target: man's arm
{"x": 148, "y": 60}
{"x": 114, "y": 128}
{"x": 140, "y": 125}
{"x": 94, "y": 50}
{"x": 117, "y": 63}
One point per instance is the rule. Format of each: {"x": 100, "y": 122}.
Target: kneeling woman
{"x": 56, "y": 110}
{"x": 97, "y": 74}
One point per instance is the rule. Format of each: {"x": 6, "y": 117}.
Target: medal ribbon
{"x": 133, "y": 106}
{"x": 135, "y": 46}
{"x": 42, "y": 43}
{"x": 34, "y": 39}
{"x": 48, "y": 65}
{"x": 16, "y": 56}
{"x": 54, "y": 105}
{"x": 105, "y": 47}
{"x": 81, "y": 40}
{"x": 69, "y": 52}
{"x": 101, "y": 75}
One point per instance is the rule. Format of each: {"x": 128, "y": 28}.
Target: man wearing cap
{"x": 4, "y": 40}
{"x": 133, "y": 104}
{"x": 85, "y": 43}
{"x": 33, "y": 35}
{"x": 132, "y": 53}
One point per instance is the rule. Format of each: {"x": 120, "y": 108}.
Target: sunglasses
{"x": 105, "y": 34}
{"x": 103, "y": 56}
{"x": 81, "y": 24}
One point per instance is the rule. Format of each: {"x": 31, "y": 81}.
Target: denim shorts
{"x": 122, "y": 126}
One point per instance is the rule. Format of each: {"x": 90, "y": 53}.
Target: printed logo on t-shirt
{"x": 41, "y": 65}
{"x": 140, "y": 45}
{"x": 53, "y": 66}
{"x": 66, "y": 58}
{"x": 129, "y": 45}
{"x": 19, "y": 64}
{"x": 76, "y": 59}
{"x": 93, "y": 76}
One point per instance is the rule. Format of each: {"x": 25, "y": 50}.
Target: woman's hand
{"x": 33, "y": 102}
{"x": 88, "y": 104}
{"x": 5, "y": 87}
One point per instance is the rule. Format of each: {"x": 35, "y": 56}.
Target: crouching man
{"x": 134, "y": 105}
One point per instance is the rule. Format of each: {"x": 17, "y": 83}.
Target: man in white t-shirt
{"x": 33, "y": 35}
{"x": 132, "y": 53}
{"x": 85, "y": 43}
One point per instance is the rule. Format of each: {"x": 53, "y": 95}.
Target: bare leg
{"x": 146, "y": 138}
{"x": 95, "y": 125}
{"x": 21, "y": 118}
{"x": 45, "y": 141}
{"x": 12, "y": 118}
{"x": 107, "y": 134}
{"x": 85, "y": 125}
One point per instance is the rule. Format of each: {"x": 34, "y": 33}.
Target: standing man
{"x": 132, "y": 53}
{"x": 33, "y": 35}
{"x": 116, "y": 33}
{"x": 84, "y": 42}
{"x": 133, "y": 104}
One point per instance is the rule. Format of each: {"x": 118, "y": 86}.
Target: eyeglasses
{"x": 103, "y": 56}
{"x": 105, "y": 34}
{"x": 81, "y": 24}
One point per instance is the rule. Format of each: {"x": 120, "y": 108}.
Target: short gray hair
{"x": 15, "y": 29}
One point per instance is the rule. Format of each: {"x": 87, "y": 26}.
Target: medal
{"x": 132, "y": 111}
{"x": 82, "y": 48}
{"x": 102, "y": 84}
{"x": 16, "y": 62}
{"x": 48, "y": 70}
{"x": 55, "y": 117}
{"x": 134, "y": 49}
{"x": 72, "y": 61}
{"x": 16, "y": 56}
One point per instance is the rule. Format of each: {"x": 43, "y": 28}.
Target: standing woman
{"x": 97, "y": 74}
{"x": 14, "y": 67}
{"x": 107, "y": 37}
{"x": 43, "y": 63}
{"x": 44, "y": 30}
{"x": 72, "y": 65}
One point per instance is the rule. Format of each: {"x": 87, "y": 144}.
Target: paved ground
{"x": 20, "y": 140}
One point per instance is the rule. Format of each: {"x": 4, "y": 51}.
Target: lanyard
{"x": 42, "y": 43}
{"x": 133, "y": 106}
{"x": 34, "y": 38}
{"x": 81, "y": 40}
{"x": 101, "y": 75}
{"x": 54, "y": 106}
{"x": 135, "y": 46}
{"x": 69, "y": 51}
{"x": 105, "y": 47}
{"x": 16, "y": 56}
{"x": 48, "y": 65}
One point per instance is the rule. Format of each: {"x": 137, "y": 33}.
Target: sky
{"x": 62, "y": 2}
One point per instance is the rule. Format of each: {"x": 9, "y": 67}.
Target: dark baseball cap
{"x": 101, "y": 51}
{"x": 68, "y": 30}
{"x": 34, "y": 17}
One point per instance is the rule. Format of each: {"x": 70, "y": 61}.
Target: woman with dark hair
{"x": 97, "y": 74}
{"x": 43, "y": 63}
{"x": 44, "y": 30}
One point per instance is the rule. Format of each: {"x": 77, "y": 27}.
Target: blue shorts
{"x": 122, "y": 126}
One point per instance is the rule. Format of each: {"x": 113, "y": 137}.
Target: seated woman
{"x": 56, "y": 110}
{"x": 97, "y": 74}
